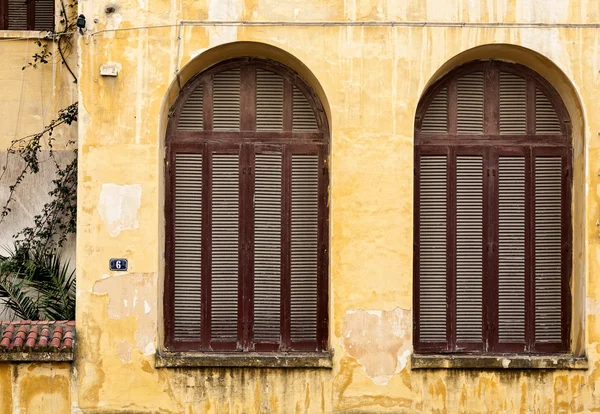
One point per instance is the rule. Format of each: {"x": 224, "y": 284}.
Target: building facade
{"x": 360, "y": 206}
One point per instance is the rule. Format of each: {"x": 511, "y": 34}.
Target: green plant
{"x": 37, "y": 285}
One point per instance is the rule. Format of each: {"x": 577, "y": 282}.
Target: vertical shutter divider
{"x": 288, "y": 103}
{"x": 323, "y": 253}
{"x": 451, "y": 250}
{"x": 206, "y": 245}
{"x": 208, "y": 103}
{"x": 452, "y": 108}
{"x": 247, "y": 238}
{"x": 530, "y": 106}
{"x": 490, "y": 281}
{"x": 248, "y": 98}
{"x": 529, "y": 244}
{"x": 31, "y": 15}
{"x": 491, "y": 90}
{"x": 286, "y": 242}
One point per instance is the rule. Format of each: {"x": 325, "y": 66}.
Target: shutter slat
{"x": 267, "y": 246}
{"x": 548, "y": 248}
{"x": 225, "y": 235}
{"x": 303, "y": 116}
{"x": 469, "y": 103}
{"x": 469, "y": 242}
{"x": 435, "y": 120}
{"x": 432, "y": 247}
{"x": 511, "y": 249}
{"x": 17, "y": 15}
{"x": 546, "y": 120}
{"x": 513, "y": 104}
{"x": 226, "y": 100}
{"x": 304, "y": 247}
{"x": 269, "y": 101}
{"x": 44, "y": 14}
{"x": 192, "y": 114}
{"x": 188, "y": 246}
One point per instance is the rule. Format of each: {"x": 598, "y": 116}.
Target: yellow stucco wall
{"x": 370, "y": 78}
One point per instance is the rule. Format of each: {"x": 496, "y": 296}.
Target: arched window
{"x": 247, "y": 212}
{"x": 492, "y": 257}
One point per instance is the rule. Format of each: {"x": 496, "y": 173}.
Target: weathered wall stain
{"x": 379, "y": 340}
{"x": 118, "y": 207}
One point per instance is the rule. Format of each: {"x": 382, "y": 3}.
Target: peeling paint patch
{"x": 118, "y": 207}
{"x": 133, "y": 295}
{"x": 379, "y": 340}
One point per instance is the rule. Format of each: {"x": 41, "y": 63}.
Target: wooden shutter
{"x": 226, "y": 100}
{"x": 225, "y": 237}
{"x": 188, "y": 246}
{"x": 267, "y": 246}
{"x": 432, "y": 182}
{"x": 469, "y": 245}
{"x": 17, "y": 15}
{"x": 192, "y": 113}
{"x": 511, "y": 249}
{"x": 44, "y": 14}
{"x": 269, "y": 101}
{"x": 469, "y": 103}
{"x": 435, "y": 120}
{"x": 546, "y": 120}
{"x": 303, "y": 115}
{"x": 548, "y": 249}
{"x": 513, "y": 104}
{"x": 304, "y": 246}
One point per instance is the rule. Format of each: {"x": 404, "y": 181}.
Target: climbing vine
{"x": 58, "y": 216}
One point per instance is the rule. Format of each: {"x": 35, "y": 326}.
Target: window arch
{"x": 247, "y": 212}
{"x": 492, "y": 257}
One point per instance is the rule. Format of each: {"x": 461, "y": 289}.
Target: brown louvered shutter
{"x": 17, "y": 15}
{"x": 188, "y": 246}
{"x": 432, "y": 181}
{"x": 469, "y": 248}
{"x": 192, "y": 114}
{"x": 225, "y": 238}
{"x": 267, "y": 246}
{"x": 226, "y": 100}
{"x": 304, "y": 246}
{"x": 303, "y": 115}
{"x": 247, "y": 222}
{"x": 469, "y": 104}
{"x": 44, "y": 14}
{"x": 492, "y": 204}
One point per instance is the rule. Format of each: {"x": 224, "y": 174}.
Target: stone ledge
{"x": 166, "y": 359}
{"x": 501, "y": 362}
{"x": 14, "y": 356}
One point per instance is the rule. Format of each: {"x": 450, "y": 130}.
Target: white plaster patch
{"x": 592, "y": 307}
{"x": 150, "y": 349}
{"x": 118, "y": 207}
{"x": 113, "y": 21}
{"x": 146, "y": 307}
{"x": 124, "y": 349}
{"x": 223, "y": 10}
{"x": 505, "y": 362}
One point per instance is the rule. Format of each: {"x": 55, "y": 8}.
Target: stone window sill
{"x": 501, "y": 362}
{"x": 24, "y": 34}
{"x": 166, "y": 359}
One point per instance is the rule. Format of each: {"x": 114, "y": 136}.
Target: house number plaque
{"x": 118, "y": 265}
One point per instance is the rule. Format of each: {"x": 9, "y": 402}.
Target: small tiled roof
{"x": 37, "y": 336}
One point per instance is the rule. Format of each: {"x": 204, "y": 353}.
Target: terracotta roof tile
{"x": 37, "y": 336}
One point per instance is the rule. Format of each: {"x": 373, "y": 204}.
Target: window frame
{"x": 249, "y": 142}
{"x": 489, "y": 145}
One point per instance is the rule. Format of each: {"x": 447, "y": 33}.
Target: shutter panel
{"x": 513, "y": 104}
{"x": 303, "y": 116}
{"x": 304, "y": 247}
{"x": 432, "y": 247}
{"x": 267, "y": 246}
{"x": 188, "y": 246}
{"x": 546, "y": 120}
{"x": 469, "y": 103}
{"x": 511, "y": 249}
{"x": 192, "y": 114}
{"x": 225, "y": 237}
{"x": 269, "y": 101}
{"x": 435, "y": 120}
{"x": 17, "y": 15}
{"x": 44, "y": 14}
{"x": 226, "y": 101}
{"x": 469, "y": 242}
{"x": 548, "y": 249}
